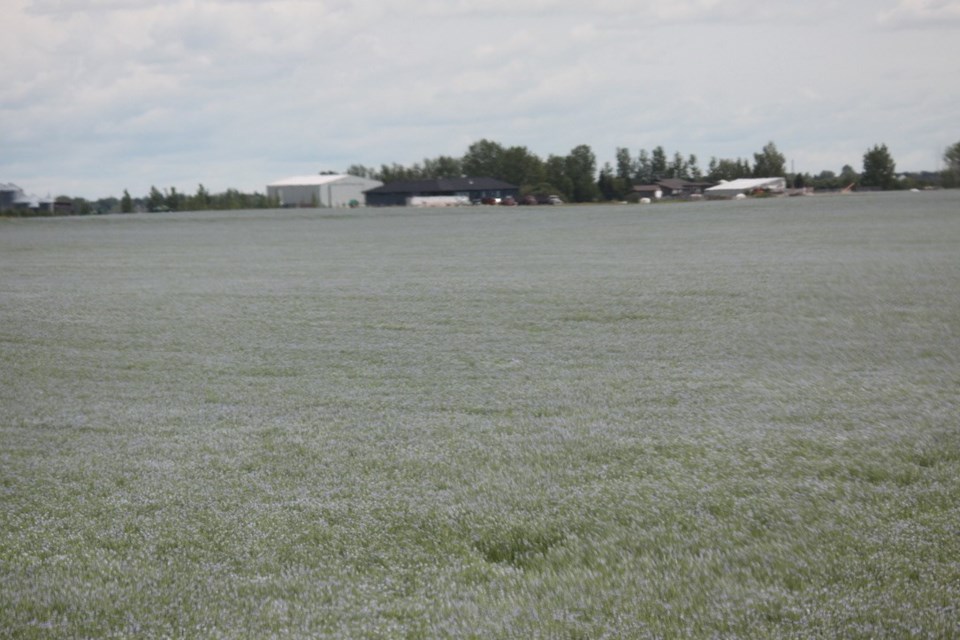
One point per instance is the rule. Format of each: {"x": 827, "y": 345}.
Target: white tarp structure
{"x": 733, "y": 188}
{"x": 438, "y": 201}
{"x": 321, "y": 190}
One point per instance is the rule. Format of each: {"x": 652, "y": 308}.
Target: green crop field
{"x": 710, "y": 420}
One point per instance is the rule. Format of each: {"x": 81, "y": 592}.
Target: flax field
{"x": 701, "y": 420}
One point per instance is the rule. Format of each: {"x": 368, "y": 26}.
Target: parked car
{"x": 551, "y": 199}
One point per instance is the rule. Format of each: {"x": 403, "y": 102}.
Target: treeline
{"x": 573, "y": 176}
{"x": 202, "y": 200}
{"x": 155, "y": 201}
{"x": 576, "y": 177}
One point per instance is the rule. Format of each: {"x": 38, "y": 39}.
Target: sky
{"x": 98, "y": 96}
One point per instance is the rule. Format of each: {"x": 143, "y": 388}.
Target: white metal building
{"x": 733, "y": 188}
{"x": 321, "y": 190}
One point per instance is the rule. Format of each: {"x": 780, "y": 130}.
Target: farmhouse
{"x": 321, "y": 190}
{"x": 649, "y": 191}
{"x": 743, "y": 186}
{"x": 406, "y": 192}
{"x": 679, "y": 188}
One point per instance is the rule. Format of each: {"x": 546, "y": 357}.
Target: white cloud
{"x": 237, "y": 93}
{"x": 941, "y": 14}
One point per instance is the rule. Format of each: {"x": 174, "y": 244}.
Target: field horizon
{"x": 718, "y": 419}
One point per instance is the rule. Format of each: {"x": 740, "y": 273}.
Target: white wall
{"x": 329, "y": 191}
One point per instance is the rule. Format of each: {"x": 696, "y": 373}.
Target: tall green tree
{"x": 484, "y": 158}
{"x": 201, "y": 200}
{"x": 623, "y": 179}
{"x": 520, "y": 166}
{"x": 126, "y": 202}
{"x": 442, "y": 167}
{"x": 879, "y": 169}
{"x": 678, "y": 168}
{"x": 728, "y": 169}
{"x": 644, "y": 169}
{"x": 951, "y": 161}
{"x": 394, "y": 172}
{"x": 658, "y": 164}
{"x": 581, "y": 168}
{"x": 155, "y": 201}
{"x": 848, "y": 176}
{"x": 173, "y": 200}
{"x": 625, "y": 165}
{"x": 556, "y": 170}
{"x": 362, "y": 172}
{"x": 769, "y": 163}
{"x": 607, "y": 183}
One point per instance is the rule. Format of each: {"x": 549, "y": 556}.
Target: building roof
{"x": 674, "y": 184}
{"x": 313, "y": 180}
{"x": 443, "y": 185}
{"x": 746, "y": 184}
{"x": 678, "y": 184}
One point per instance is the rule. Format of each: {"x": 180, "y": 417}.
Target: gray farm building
{"x": 404, "y": 192}
{"x": 321, "y": 190}
{"x": 12, "y": 198}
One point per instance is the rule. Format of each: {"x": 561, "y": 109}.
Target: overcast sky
{"x": 102, "y": 95}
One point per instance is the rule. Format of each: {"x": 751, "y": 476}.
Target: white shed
{"x": 321, "y": 190}
{"x": 733, "y": 188}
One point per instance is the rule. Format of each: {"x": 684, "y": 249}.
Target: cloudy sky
{"x": 102, "y": 95}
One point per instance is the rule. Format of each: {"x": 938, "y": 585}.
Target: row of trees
{"x": 951, "y": 171}
{"x": 157, "y": 200}
{"x": 574, "y": 177}
{"x": 173, "y": 200}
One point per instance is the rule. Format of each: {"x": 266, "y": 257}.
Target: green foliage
{"x": 848, "y": 176}
{"x": 678, "y": 167}
{"x": 879, "y": 169}
{"x": 155, "y": 199}
{"x": 442, "y": 167}
{"x": 658, "y": 163}
{"x": 521, "y": 167}
{"x": 396, "y": 172}
{"x": 362, "y": 172}
{"x": 728, "y": 169}
{"x": 201, "y": 200}
{"x": 769, "y": 163}
{"x": 556, "y": 174}
{"x": 608, "y": 184}
{"x": 693, "y": 168}
{"x": 652, "y": 166}
{"x": 580, "y": 167}
{"x": 950, "y": 176}
{"x": 174, "y": 201}
{"x": 626, "y": 168}
{"x": 644, "y": 168}
{"x": 484, "y": 158}
{"x": 126, "y": 203}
